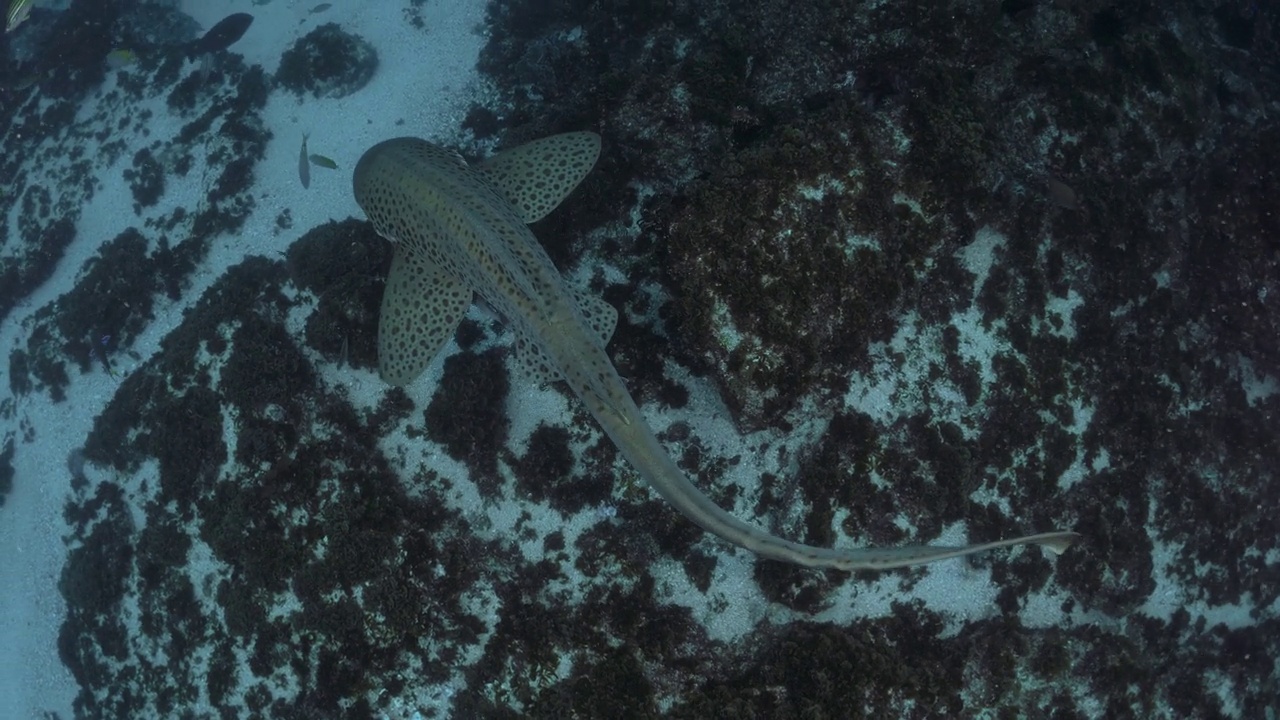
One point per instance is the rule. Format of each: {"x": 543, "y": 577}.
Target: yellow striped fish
{"x": 322, "y": 161}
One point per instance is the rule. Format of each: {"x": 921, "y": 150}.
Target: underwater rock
{"x": 327, "y": 62}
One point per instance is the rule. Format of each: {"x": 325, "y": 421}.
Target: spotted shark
{"x": 460, "y": 231}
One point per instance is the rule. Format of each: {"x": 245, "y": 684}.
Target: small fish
{"x": 324, "y": 162}
{"x": 304, "y": 164}
{"x": 117, "y": 59}
{"x": 321, "y": 8}
{"x": 222, "y": 35}
{"x": 18, "y": 12}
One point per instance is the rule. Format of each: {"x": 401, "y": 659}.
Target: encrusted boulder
{"x": 327, "y": 62}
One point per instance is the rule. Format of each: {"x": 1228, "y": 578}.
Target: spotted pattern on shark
{"x": 460, "y": 230}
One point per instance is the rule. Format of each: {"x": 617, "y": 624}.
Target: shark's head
{"x": 395, "y": 183}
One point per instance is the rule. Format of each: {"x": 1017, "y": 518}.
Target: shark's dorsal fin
{"x": 532, "y": 363}
{"x": 601, "y": 317}
{"x": 421, "y": 308}
{"x": 536, "y": 176}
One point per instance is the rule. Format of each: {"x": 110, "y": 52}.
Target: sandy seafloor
{"x": 886, "y": 276}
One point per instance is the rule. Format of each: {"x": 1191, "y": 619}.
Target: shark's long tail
{"x": 637, "y": 442}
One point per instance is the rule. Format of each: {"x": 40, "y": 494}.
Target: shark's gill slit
{"x": 461, "y": 230}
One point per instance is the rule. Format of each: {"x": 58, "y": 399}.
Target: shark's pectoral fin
{"x": 601, "y": 317}
{"x": 532, "y": 362}
{"x": 421, "y": 308}
{"x": 536, "y": 176}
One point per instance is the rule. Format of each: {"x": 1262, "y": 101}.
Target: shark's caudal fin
{"x": 460, "y": 230}
{"x": 898, "y": 557}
